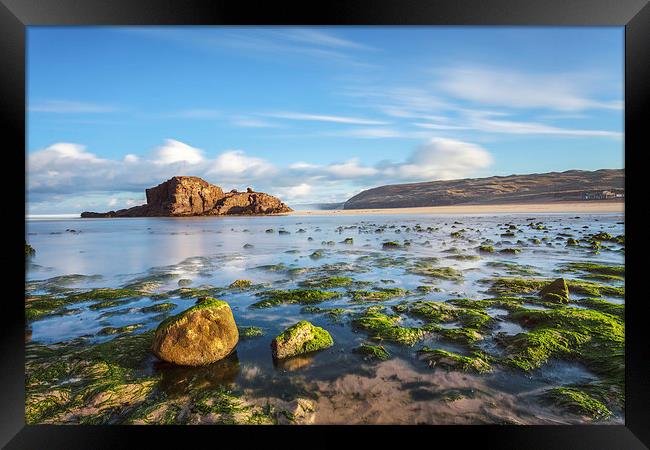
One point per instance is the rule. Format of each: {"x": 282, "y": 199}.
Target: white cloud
{"x": 173, "y": 151}
{"x": 440, "y": 158}
{"x": 350, "y": 169}
{"x": 65, "y": 170}
{"x": 62, "y": 155}
{"x": 299, "y": 191}
{"x": 236, "y": 163}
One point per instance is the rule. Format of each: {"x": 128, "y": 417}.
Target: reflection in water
{"x": 293, "y": 363}
{"x": 178, "y": 380}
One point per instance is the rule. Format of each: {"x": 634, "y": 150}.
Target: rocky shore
{"x": 192, "y": 196}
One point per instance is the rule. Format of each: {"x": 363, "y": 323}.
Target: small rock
{"x": 300, "y": 338}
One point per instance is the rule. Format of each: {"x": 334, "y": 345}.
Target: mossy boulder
{"x": 557, "y": 291}
{"x": 300, "y": 338}
{"x": 200, "y": 335}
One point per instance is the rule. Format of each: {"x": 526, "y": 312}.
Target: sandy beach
{"x": 555, "y": 207}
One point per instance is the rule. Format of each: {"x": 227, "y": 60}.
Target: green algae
{"x": 40, "y": 306}
{"x": 334, "y": 313}
{"x": 299, "y": 296}
{"x": 513, "y": 268}
{"x": 106, "y": 294}
{"x": 240, "y": 284}
{"x": 602, "y": 305}
{"x": 512, "y": 251}
{"x": 273, "y": 267}
{"x": 379, "y": 294}
{"x": 445, "y": 273}
{"x": 600, "y": 269}
{"x": 107, "y": 331}
{"x": 391, "y": 245}
{"x": 385, "y": 327}
{"x": 320, "y": 339}
{"x": 197, "y": 292}
{"x": 593, "y": 337}
{"x": 184, "y": 282}
{"x": 78, "y": 384}
{"x": 202, "y": 303}
{"x": 159, "y": 307}
{"x": 327, "y": 282}
{"x": 477, "y": 363}
{"x": 250, "y": 332}
{"x": 579, "y": 402}
{"x": 371, "y": 351}
{"x": 486, "y": 249}
{"x": 510, "y": 286}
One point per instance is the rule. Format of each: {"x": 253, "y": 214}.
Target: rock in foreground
{"x": 200, "y": 335}
{"x": 192, "y": 196}
{"x": 300, "y": 338}
{"x": 557, "y": 291}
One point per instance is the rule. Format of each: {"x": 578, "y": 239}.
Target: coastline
{"x": 551, "y": 207}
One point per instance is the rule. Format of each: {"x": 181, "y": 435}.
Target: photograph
{"x": 324, "y": 225}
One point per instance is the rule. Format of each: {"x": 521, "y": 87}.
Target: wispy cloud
{"x": 70, "y": 107}
{"x": 325, "y": 118}
{"x": 316, "y": 44}
{"x": 514, "y": 89}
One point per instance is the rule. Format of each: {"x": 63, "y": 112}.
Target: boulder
{"x": 300, "y": 338}
{"x": 200, "y": 335}
{"x": 557, "y": 291}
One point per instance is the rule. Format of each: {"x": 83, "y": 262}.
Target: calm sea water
{"x": 210, "y": 251}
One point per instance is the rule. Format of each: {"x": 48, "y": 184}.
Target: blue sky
{"x": 312, "y": 114}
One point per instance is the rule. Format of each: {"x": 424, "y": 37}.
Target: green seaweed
{"x": 299, "y": 296}
{"x": 579, "y": 402}
{"x": 371, "y": 351}
{"x": 478, "y": 363}
{"x": 384, "y": 327}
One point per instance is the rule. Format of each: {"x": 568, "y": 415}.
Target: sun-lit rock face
{"x": 181, "y": 196}
{"x": 192, "y": 196}
{"x": 200, "y": 335}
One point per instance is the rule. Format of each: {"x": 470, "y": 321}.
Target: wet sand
{"x": 555, "y": 207}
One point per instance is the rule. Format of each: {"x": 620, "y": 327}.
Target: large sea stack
{"x": 192, "y": 196}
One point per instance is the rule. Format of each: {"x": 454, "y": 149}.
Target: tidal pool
{"x": 492, "y": 353}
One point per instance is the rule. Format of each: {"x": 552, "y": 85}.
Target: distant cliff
{"x": 192, "y": 196}
{"x": 572, "y": 185}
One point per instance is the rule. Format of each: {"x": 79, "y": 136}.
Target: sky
{"x": 312, "y": 115}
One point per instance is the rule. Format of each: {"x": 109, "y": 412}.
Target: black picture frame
{"x": 634, "y": 15}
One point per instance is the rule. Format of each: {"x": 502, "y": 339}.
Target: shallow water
{"x": 346, "y": 388}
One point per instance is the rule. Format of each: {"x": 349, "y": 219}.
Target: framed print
{"x": 375, "y": 218}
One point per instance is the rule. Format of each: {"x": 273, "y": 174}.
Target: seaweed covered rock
{"x": 300, "y": 338}
{"x": 200, "y": 335}
{"x": 557, "y": 291}
{"x": 29, "y": 250}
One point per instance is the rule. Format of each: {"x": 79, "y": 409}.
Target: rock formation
{"x": 557, "y": 291}
{"x": 300, "y": 338}
{"x": 192, "y": 196}
{"x": 200, "y": 335}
